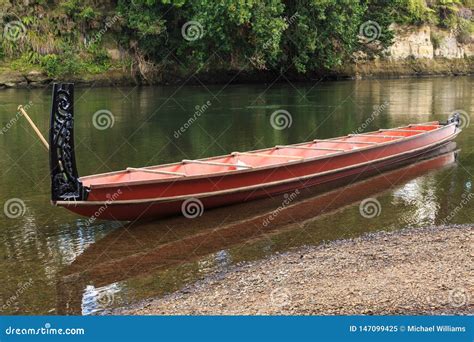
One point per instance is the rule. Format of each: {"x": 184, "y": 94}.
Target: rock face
{"x": 37, "y": 78}
{"x": 416, "y": 43}
{"x": 12, "y": 79}
{"x": 450, "y": 48}
{"x": 411, "y": 43}
{"x": 416, "y": 51}
{"x": 16, "y": 79}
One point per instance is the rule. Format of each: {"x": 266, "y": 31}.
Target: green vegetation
{"x": 67, "y": 38}
{"x": 68, "y": 63}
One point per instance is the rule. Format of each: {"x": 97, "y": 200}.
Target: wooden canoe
{"x": 191, "y": 186}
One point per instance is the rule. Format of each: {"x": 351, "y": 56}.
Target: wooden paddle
{"x": 32, "y": 124}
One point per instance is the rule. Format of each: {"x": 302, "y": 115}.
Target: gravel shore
{"x": 412, "y": 271}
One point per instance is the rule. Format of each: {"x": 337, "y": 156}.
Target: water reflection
{"x": 97, "y": 299}
{"x": 420, "y": 199}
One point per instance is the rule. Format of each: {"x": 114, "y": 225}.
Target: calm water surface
{"x": 52, "y": 262}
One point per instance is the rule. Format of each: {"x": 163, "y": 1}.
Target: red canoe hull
{"x": 150, "y": 199}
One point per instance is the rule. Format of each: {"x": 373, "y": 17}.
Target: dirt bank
{"x": 377, "y": 69}
{"x": 413, "y": 271}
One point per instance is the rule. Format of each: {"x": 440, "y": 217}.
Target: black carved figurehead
{"x": 65, "y": 183}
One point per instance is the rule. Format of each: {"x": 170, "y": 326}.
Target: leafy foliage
{"x": 69, "y": 37}
{"x": 325, "y": 33}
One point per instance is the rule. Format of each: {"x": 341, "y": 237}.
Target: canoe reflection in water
{"x": 166, "y": 246}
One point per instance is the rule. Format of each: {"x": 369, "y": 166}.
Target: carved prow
{"x": 454, "y": 118}
{"x": 65, "y": 183}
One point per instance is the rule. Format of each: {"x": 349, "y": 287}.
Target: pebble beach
{"x": 408, "y": 272}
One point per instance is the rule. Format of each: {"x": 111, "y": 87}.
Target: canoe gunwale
{"x": 269, "y": 184}
{"x": 257, "y": 168}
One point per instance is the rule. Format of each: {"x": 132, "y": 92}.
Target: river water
{"x": 55, "y": 262}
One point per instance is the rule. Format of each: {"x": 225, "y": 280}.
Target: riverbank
{"x": 375, "y": 69}
{"x": 407, "y": 272}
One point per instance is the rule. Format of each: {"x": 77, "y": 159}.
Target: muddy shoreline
{"x": 407, "y": 272}
{"x": 377, "y": 69}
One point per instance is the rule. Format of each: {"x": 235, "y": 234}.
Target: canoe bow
{"x": 65, "y": 183}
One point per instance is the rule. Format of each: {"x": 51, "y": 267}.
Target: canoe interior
{"x": 257, "y": 159}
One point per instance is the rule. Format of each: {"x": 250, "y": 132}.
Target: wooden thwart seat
{"x": 376, "y": 136}
{"x": 140, "y": 169}
{"x": 310, "y": 148}
{"x": 428, "y": 124}
{"x": 402, "y": 130}
{"x": 350, "y": 142}
{"x": 265, "y": 155}
{"x": 204, "y": 162}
